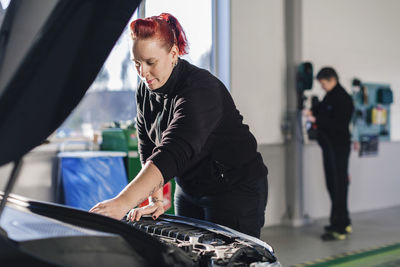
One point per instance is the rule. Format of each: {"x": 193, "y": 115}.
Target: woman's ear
{"x": 174, "y": 52}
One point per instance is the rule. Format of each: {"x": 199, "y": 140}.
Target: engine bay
{"x": 206, "y": 247}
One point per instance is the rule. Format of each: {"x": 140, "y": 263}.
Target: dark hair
{"x": 165, "y": 26}
{"x": 327, "y": 73}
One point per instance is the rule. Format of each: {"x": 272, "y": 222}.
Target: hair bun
{"x": 181, "y": 40}
{"x": 171, "y": 30}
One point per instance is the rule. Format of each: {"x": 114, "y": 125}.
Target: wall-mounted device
{"x": 304, "y": 81}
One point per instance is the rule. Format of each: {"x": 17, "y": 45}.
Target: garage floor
{"x": 298, "y": 245}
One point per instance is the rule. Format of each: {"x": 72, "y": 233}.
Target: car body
{"x": 49, "y": 234}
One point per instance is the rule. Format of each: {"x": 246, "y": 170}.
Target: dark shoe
{"x": 348, "y": 229}
{"x": 332, "y": 236}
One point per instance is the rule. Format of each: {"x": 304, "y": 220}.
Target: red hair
{"x": 165, "y": 26}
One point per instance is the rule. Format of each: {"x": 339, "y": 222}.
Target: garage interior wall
{"x": 360, "y": 39}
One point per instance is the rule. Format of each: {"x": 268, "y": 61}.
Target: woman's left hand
{"x": 155, "y": 209}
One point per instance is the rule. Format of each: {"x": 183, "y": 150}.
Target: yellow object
{"x": 349, "y": 229}
{"x": 379, "y": 116}
{"x": 339, "y": 236}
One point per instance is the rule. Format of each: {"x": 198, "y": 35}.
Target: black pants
{"x": 242, "y": 209}
{"x": 336, "y": 162}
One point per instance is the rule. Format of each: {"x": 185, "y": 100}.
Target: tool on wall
{"x": 371, "y": 121}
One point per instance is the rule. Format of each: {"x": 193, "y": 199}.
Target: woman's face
{"x": 154, "y": 64}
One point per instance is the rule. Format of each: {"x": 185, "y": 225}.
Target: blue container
{"x": 90, "y": 177}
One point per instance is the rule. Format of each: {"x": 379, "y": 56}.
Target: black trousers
{"x": 336, "y": 162}
{"x": 242, "y": 209}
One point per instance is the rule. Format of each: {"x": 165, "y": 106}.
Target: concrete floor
{"x": 298, "y": 245}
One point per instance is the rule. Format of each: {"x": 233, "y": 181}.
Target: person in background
{"x": 332, "y": 117}
{"x": 189, "y": 128}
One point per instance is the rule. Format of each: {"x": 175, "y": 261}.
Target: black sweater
{"x": 190, "y": 129}
{"x": 334, "y": 114}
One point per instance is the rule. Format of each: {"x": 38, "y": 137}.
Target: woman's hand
{"x": 113, "y": 208}
{"x": 154, "y": 208}
{"x": 146, "y": 183}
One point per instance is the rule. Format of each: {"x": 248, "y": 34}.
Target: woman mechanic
{"x": 189, "y": 129}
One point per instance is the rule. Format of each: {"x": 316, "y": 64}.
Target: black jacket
{"x": 190, "y": 129}
{"x": 334, "y": 114}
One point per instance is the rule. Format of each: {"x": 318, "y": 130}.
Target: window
{"x": 111, "y": 97}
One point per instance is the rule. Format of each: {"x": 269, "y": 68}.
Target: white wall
{"x": 258, "y": 66}
{"x": 359, "y": 38}
{"x": 375, "y": 181}
{"x": 274, "y": 158}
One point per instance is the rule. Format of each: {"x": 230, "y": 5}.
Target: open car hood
{"x": 50, "y": 54}
{"x": 59, "y": 235}
{"x": 45, "y": 234}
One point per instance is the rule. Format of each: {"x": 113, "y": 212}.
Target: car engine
{"x": 207, "y": 247}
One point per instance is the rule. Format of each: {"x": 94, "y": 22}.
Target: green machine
{"x": 371, "y": 121}
{"x": 125, "y": 140}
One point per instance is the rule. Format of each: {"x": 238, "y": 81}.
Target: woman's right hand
{"x": 155, "y": 209}
{"x": 113, "y": 208}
